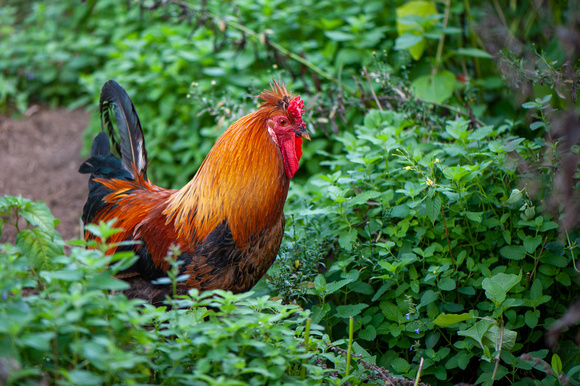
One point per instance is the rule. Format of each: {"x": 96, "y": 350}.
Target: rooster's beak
{"x": 303, "y": 132}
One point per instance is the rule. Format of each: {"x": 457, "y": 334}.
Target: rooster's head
{"x": 284, "y": 123}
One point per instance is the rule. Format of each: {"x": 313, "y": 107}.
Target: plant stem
{"x": 419, "y": 371}
{"x": 349, "y": 350}
{"x": 538, "y": 259}
{"x": 498, "y": 353}
{"x": 307, "y": 345}
{"x": 442, "y": 39}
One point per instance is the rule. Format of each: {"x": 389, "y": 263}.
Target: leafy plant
{"x": 431, "y": 248}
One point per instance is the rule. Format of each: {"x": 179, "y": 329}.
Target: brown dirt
{"x": 39, "y": 159}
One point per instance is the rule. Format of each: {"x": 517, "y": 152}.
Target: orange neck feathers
{"x": 242, "y": 180}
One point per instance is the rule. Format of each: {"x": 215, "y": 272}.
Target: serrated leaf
{"x": 369, "y": 333}
{"x": 346, "y": 238}
{"x": 433, "y": 208}
{"x": 391, "y": 311}
{"x": 38, "y": 214}
{"x": 38, "y": 247}
{"x": 474, "y": 216}
{"x": 515, "y": 197}
{"x": 350, "y": 310}
{"x": 335, "y": 286}
{"x": 363, "y": 197}
{"x": 480, "y": 133}
{"x": 445, "y": 320}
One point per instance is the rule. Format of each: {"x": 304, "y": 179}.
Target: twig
{"x": 538, "y": 259}
{"x": 371, "y": 87}
{"x": 498, "y": 353}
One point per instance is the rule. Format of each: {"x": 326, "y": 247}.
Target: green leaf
{"x": 495, "y": 336}
{"x": 38, "y": 247}
{"x": 531, "y": 243}
{"x": 436, "y": 88}
{"x": 516, "y": 196}
{"x": 332, "y": 287}
{"x": 400, "y": 365}
{"x": 474, "y": 216}
{"x": 446, "y": 284}
{"x": 350, "y": 310}
{"x": 433, "y": 208}
{"x": 369, "y": 333}
{"x": 564, "y": 279}
{"x": 531, "y": 318}
{"x": 38, "y": 214}
{"x": 82, "y": 377}
{"x": 391, "y": 311}
{"x": 346, "y": 238}
{"x": 339, "y": 36}
{"x": 473, "y": 52}
{"x": 513, "y": 252}
{"x": 37, "y": 340}
{"x": 105, "y": 280}
{"x": 480, "y": 133}
{"x": 493, "y": 291}
{"x": 445, "y": 320}
{"x": 427, "y": 298}
{"x": 408, "y": 40}
{"x": 407, "y": 25}
{"x": 556, "y": 364}
{"x": 504, "y": 280}
{"x": 363, "y": 197}
{"x": 477, "y": 331}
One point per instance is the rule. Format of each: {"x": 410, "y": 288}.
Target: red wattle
{"x": 291, "y": 152}
{"x": 298, "y": 141}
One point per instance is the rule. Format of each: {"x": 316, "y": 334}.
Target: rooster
{"x": 227, "y": 222}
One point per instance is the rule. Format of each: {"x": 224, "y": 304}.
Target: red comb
{"x": 296, "y": 109}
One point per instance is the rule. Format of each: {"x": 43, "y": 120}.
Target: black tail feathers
{"x": 128, "y": 140}
{"x": 101, "y": 145}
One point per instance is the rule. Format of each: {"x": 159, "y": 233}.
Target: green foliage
{"x": 67, "y": 322}
{"x": 425, "y": 237}
{"x": 418, "y": 226}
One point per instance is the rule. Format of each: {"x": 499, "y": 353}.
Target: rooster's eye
{"x": 283, "y": 122}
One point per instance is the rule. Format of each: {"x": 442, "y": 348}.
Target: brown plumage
{"x": 228, "y": 221}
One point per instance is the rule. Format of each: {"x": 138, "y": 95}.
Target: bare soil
{"x": 39, "y": 159}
